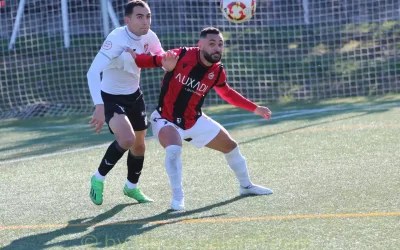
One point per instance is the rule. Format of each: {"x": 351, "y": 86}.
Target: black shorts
{"x": 133, "y": 106}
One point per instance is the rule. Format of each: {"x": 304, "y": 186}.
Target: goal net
{"x": 291, "y": 49}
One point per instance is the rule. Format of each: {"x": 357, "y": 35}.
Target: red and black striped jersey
{"x": 184, "y": 89}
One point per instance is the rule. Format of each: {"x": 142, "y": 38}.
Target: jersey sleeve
{"x": 146, "y": 61}
{"x": 155, "y": 47}
{"x": 99, "y": 63}
{"x": 112, "y": 46}
{"x": 231, "y": 96}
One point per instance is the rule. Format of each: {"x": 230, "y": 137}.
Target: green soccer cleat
{"x": 136, "y": 193}
{"x": 96, "y": 191}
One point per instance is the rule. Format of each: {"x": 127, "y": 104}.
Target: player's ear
{"x": 127, "y": 20}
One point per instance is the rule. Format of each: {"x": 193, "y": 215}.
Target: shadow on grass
{"x": 302, "y": 127}
{"x": 111, "y": 234}
{"x": 345, "y": 104}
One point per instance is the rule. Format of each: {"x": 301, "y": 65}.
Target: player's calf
{"x": 237, "y": 163}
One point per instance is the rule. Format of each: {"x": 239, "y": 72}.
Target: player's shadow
{"x": 39, "y": 241}
{"x": 310, "y": 126}
{"x": 307, "y": 114}
{"x": 112, "y": 234}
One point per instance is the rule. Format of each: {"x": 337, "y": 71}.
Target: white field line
{"x": 277, "y": 117}
{"x": 108, "y": 143}
{"x": 288, "y": 114}
{"x": 285, "y": 114}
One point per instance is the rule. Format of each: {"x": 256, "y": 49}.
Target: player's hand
{"x": 130, "y": 51}
{"x": 98, "y": 118}
{"x": 263, "y": 111}
{"x": 169, "y": 60}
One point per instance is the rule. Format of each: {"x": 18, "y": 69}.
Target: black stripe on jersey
{"x": 221, "y": 67}
{"x": 182, "y": 54}
{"x": 184, "y": 96}
{"x": 164, "y": 89}
{"x": 155, "y": 61}
{"x": 201, "y": 102}
{"x": 221, "y": 85}
{"x": 167, "y": 79}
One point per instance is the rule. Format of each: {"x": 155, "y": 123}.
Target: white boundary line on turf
{"x": 87, "y": 125}
{"x": 106, "y": 144}
{"x": 289, "y": 114}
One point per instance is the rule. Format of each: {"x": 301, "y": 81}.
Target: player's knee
{"x": 126, "y": 141}
{"x": 138, "y": 148}
{"x": 232, "y": 145}
{"x": 169, "y": 136}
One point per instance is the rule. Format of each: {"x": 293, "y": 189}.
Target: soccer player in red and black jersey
{"x": 179, "y": 117}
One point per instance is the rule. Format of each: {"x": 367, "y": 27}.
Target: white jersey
{"x": 120, "y": 73}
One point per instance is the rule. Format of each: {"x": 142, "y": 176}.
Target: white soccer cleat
{"x": 255, "y": 190}
{"x": 178, "y": 205}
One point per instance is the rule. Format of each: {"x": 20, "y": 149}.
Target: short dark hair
{"x": 209, "y": 30}
{"x": 132, "y": 4}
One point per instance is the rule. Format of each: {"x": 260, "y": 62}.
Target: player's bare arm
{"x": 98, "y": 118}
{"x": 169, "y": 60}
{"x": 130, "y": 51}
{"x": 263, "y": 112}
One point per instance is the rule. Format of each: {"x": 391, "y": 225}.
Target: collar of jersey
{"x": 131, "y": 35}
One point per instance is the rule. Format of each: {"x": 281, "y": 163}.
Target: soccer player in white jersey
{"x": 118, "y": 99}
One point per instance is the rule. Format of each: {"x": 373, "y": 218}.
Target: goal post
{"x": 17, "y": 23}
{"x": 65, "y": 19}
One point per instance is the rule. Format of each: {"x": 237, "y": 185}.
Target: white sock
{"x": 177, "y": 194}
{"x": 131, "y": 185}
{"x": 173, "y": 166}
{"x": 237, "y": 163}
{"x": 99, "y": 177}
